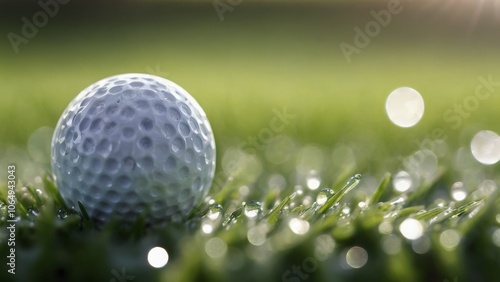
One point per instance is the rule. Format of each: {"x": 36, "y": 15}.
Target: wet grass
{"x": 278, "y": 231}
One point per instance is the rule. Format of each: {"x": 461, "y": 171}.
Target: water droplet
{"x": 214, "y": 211}
{"x": 252, "y": 209}
{"x": 32, "y": 211}
{"x": 62, "y": 213}
{"x": 207, "y": 226}
{"x": 485, "y": 147}
{"x": 324, "y": 195}
{"x": 356, "y": 177}
{"x": 402, "y": 181}
{"x": 458, "y": 191}
{"x": 346, "y": 210}
{"x": 399, "y": 201}
{"x": 313, "y": 180}
{"x": 405, "y": 107}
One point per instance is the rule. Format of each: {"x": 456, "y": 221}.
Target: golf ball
{"x": 133, "y": 144}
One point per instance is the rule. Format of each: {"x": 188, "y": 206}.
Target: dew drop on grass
{"x": 458, "y": 191}
{"x": 214, "y": 211}
{"x": 207, "y": 226}
{"x": 313, "y": 180}
{"x": 324, "y": 195}
{"x": 346, "y": 210}
{"x": 252, "y": 209}
{"x": 62, "y": 213}
{"x": 32, "y": 211}
{"x": 405, "y": 107}
{"x": 402, "y": 181}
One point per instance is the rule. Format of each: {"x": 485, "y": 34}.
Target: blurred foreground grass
{"x": 259, "y": 60}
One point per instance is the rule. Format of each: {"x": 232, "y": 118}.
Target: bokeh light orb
{"x": 158, "y": 257}
{"x": 405, "y": 107}
{"x": 485, "y": 147}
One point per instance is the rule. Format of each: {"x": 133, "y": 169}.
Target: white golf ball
{"x": 133, "y": 144}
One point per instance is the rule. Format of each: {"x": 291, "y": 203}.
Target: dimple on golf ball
{"x": 133, "y": 144}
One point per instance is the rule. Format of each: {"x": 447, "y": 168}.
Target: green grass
{"x": 260, "y": 59}
{"x": 55, "y": 243}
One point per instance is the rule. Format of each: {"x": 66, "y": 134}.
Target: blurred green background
{"x": 260, "y": 57}
{"x": 244, "y": 64}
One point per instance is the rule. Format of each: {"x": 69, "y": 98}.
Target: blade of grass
{"x": 453, "y": 212}
{"x": 351, "y": 183}
{"x": 87, "y": 222}
{"x": 52, "y": 190}
{"x": 273, "y": 215}
{"x": 427, "y": 215}
{"x": 382, "y": 187}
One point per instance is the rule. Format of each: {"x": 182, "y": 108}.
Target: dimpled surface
{"x": 132, "y": 144}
